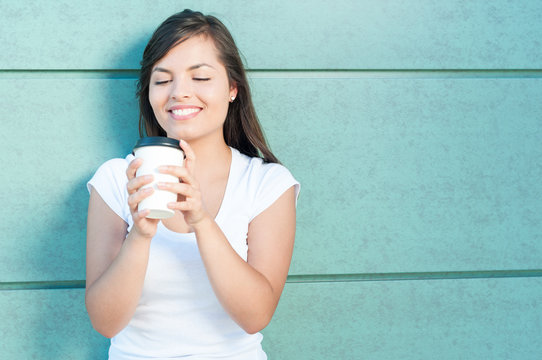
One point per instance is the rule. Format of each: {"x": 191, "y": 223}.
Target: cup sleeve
{"x": 110, "y": 181}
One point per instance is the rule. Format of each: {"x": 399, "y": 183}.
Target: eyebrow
{"x": 162, "y": 70}
{"x": 193, "y": 67}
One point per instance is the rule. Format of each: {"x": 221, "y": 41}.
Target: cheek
{"x": 156, "y": 94}
{"x": 155, "y": 100}
{"x": 218, "y": 97}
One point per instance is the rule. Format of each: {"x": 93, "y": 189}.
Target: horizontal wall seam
{"x": 289, "y": 73}
{"x": 42, "y": 285}
{"x": 317, "y": 278}
{"x": 403, "y": 276}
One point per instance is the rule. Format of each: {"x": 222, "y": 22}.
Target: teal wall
{"x": 414, "y": 126}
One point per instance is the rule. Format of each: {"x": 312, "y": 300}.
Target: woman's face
{"x": 189, "y": 91}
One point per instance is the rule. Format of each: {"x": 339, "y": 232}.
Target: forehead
{"x": 194, "y": 50}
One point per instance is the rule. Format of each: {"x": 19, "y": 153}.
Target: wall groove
{"x": 289, "y": 73}
{"x": 314, "y": 278}
{"x": 438, "y": 275}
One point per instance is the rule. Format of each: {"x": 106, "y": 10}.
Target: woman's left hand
{"x": 189, "y": 199}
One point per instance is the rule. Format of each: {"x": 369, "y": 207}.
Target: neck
{"x": 211, "y": 158}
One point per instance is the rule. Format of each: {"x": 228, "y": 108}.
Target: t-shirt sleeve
{"x": 276, "y": 179}
{"x": 110, "y": 182}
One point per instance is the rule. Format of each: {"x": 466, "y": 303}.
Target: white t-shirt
{"x": 178, "y": 315}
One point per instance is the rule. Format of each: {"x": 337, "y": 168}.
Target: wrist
{"x": 204, "y": 223}
{"x": 135, "y": 235}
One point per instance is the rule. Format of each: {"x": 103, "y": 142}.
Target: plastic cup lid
{"x": 157, "y": 141}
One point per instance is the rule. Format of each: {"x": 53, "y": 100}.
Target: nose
{"x": 181, "y": 89}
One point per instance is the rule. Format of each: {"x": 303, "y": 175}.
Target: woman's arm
{"x": 116, "y": 262}
{"x": 248, "y": 290}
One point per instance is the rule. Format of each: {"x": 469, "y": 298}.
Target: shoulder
{"x": 110, "y": 182}
{"x": 114, "y": 168}
{"x": 111, "y": 173}
{"x": 255, "y": 169}
{"x": 117, "y": 164}
{"x": 263, "y": 182}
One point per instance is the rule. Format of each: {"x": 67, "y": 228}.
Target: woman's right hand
{"x": 143, "y": 226}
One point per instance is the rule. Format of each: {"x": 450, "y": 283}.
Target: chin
{"x": 174, "y": 136}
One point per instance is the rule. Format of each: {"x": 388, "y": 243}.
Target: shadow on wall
{"x": 113, "y": 135}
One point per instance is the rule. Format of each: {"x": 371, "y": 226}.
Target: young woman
{"x": 204, "y": 282}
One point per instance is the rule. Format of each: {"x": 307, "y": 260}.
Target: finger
{"x": 137, "y": 182}
{"x": 179, "y": 172}
{"x": 132, "y": 168}
{"x": 190, "y": 156}
{"x": 190, "y": 204}
{"x": 138, "y": 215}
{"x": 135, "y": 198}
{"x": 181, "y": 206}
{"x": 182, "y": 189}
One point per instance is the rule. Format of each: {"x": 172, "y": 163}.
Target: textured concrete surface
{"x": 420, "y": 155}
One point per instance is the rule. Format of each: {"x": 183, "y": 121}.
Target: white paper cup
{"x": 157, "y": 151}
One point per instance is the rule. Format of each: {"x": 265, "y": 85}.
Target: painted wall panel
{"x": 411, "y": 174}
{"x": 428, "y": 34}
{"x": 55, "y": 133}
{"x": 398, "y": 175}
{"x": 401, "y": 171}
{"x": 476, "y": 319}
{"x": 47, "y": 325}
{"x": 411, "y": 320}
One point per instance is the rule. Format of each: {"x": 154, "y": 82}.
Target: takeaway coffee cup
{"x": 155, "y": 152}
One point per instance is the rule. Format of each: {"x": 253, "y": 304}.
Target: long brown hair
{"x": 242, "y": 129}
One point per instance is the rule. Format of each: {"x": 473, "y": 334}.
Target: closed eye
{"x": 161, "y": 82}
{"x": 202, "y": 79}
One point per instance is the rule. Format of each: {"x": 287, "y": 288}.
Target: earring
{"x": 232, "y": 98}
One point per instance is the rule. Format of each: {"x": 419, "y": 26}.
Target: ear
{"x": 233, "y": 90}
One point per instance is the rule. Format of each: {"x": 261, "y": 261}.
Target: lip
{"x": 190, "y": 111}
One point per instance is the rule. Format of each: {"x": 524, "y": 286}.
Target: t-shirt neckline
{"x": 225, "y": 199}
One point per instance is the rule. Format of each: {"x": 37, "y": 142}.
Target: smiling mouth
{"x": 184, "y": 112}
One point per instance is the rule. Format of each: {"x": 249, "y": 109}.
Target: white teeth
{"x": 184, "y": 112}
